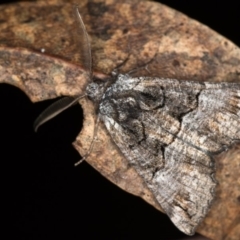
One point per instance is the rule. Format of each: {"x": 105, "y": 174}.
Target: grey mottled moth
{"x": 168, "y": 130}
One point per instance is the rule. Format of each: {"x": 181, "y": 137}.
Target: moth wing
{"x": 173, "y": 151}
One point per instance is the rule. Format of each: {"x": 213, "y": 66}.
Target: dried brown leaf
{"x": 165, "y": 43}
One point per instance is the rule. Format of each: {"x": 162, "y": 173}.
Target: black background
{"x": 47, "y": 197}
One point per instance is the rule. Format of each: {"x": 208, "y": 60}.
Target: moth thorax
{"x": 95, "y": 91}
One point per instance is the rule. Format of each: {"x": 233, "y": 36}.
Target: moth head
{"x": 95, "y": 90}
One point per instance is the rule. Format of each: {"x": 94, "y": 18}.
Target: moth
{"x": 168, "y": 130}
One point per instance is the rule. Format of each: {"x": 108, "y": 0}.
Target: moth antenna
{"x": 66, "y": 102}
{"x": 92, "y": 143}
{"x": 85, "y": 54}
{"x": 84, "y": 44}
{"x": 85, "y": 47}
{"x": 55, "y": 109}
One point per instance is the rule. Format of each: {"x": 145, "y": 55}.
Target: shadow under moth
{"x": 168, "y": 130}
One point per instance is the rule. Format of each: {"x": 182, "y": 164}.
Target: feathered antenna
{"x": 85, "y": 59}
{"x": 84, "y": 45}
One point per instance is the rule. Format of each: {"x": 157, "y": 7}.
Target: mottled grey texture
{"x": 169, "y": 131}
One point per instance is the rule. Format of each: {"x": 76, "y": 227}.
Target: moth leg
{"x": 144, "y": 66}
{"x": 92, "y": 143}
{"x": 115, "y": 71}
